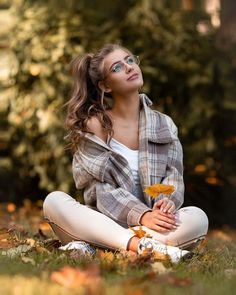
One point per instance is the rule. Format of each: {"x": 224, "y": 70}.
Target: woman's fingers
{"x": 159, "y": 221}
{"x": 164, "y": 216}
{"x": 167, "y": 206}
{"x": 171, "y": 209}
{"x": 159, "y": 228}
{"x": 159, "y": 203}
{"x": 165, "y": 223}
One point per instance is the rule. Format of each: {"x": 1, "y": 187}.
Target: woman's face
{"x": 123, "y": 75}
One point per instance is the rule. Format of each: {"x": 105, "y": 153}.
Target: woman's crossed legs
{"x": 71, "y": 220}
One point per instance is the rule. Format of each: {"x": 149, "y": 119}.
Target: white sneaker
{"x": 85, "y": 248}
{"x": 149, "y": 245}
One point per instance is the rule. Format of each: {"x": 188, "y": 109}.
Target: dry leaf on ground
{"x": 158, "y": 267}
{"x": 106, "y": 255}
{"x": 7, "y": 239}
{"x": 70, "y": 277}
{"x": 156, "y": 189}
{"x": 28, "y": 260}
{"x": 11, "y": 207}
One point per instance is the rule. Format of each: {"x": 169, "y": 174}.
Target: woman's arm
{"x": 119, "y": 204}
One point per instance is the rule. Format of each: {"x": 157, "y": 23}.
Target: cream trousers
{"x": 71, "y": 220}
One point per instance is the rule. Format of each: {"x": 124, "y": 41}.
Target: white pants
{"x": 71, "y": 220}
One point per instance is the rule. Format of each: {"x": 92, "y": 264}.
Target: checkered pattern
{"x": 106, "y": 178}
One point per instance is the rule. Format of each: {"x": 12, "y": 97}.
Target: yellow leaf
{"x": 107, "y": 255}
{"x": 156, "y": 189}
{"x": 30, "y": 242}
{"x": 139, "y": 233}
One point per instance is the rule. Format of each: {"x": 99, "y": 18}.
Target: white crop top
{"x": 132, "y": 157}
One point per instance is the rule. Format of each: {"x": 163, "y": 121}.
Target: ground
{"x": 31, "y": 263}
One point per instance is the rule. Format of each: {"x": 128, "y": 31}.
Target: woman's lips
{"x": 134, "y": 76}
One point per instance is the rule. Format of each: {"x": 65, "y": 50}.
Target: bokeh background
{"x": 188, "y": 57}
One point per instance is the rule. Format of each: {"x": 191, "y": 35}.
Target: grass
{"x": 28, "y": 269}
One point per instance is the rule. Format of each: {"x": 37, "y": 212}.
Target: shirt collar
{"x": 157, "y": 128}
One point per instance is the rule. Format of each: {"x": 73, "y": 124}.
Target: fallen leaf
{"x": 70, "y": 277}
{"x": 4, "y": 233}
{"x": 107, "y": 255}
{"x": 30, "y": 242}
{"x": 28, "y": 260}
{"x": 11, "y": 207}
{"x": 7, "y": 240}
{"x": 140, "y": 233}
{"x": 201, "y": 246}
{"x": 41, "y": 249}
{"x": 156, "y": 189}
{"x": 158, "y": 267}
{"x": 16, "y": 251}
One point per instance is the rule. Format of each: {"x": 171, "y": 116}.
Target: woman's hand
{"x": 165, "y": 205}
{"x": 158, "y": 220}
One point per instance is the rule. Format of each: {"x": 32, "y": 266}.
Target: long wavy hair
{"x": 87, "y": 99}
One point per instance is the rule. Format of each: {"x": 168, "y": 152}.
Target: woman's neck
{"x": 126, "y": 107}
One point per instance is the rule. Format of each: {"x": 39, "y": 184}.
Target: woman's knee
{"x": 52, "y": 201}
{"x": 197, "y": 218}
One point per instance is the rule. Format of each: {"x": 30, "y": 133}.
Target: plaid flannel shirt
{"x": 106, "y": 178}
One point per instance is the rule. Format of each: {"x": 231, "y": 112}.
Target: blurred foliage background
{"x": 188, "y": 59}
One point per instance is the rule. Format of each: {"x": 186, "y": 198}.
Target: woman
{"x": 120, "y": 147}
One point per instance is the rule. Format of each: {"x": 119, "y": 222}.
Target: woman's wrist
{"x": 144, "y": 217}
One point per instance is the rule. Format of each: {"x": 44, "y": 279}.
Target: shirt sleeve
{"x": 119, "y": 204}
{"x": 174, "y": 171}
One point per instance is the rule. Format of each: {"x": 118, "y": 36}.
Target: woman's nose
{"x": 128, "y": 67}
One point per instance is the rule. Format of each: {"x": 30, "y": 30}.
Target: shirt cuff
{"x": 134, "y": 216}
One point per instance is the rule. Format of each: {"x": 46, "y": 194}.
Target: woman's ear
{"x": 104, "y": 87}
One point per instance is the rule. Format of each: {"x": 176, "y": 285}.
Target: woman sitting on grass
{"x": 120, "y": 147}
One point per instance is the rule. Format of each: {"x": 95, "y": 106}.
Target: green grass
{"x": 211, "y": 271}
